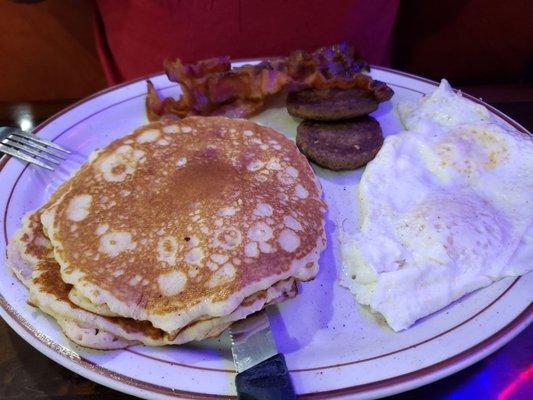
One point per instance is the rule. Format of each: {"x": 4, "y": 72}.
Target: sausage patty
{"x": 331, "y": 104}
{"x": 341, "y": 145}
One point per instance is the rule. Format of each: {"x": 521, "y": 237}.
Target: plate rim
{"x": 386, "y": 386}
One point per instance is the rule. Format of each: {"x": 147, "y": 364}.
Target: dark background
{"x": 48, "y": 56}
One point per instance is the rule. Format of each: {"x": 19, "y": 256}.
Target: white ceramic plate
{"x": 333, "y": 347}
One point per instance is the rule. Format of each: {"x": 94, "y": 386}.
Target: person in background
{"x": 134, "y": 37}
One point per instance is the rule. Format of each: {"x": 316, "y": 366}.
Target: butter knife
{"x": 261, "y": 371}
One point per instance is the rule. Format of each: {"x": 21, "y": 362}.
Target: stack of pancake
{"x": 170, "y": 234}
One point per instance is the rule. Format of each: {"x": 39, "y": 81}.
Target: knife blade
{"x": 261, "y": 371}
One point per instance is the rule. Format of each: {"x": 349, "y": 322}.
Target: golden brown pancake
{"x": 51, "y": 294}
{"x": 183, "y": 221}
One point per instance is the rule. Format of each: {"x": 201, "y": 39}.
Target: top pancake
{"x": 181, "y": 221}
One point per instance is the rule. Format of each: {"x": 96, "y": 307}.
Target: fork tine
{"x": 38, "y": 139}
{"x": 30, "y": 150}
{"x": 22, "y": 156}
{"x": 34, "y": 145}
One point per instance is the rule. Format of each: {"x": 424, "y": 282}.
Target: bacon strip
{"x": 212, "y": 87}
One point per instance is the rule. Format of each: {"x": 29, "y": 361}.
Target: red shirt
{"x": 135, "y": 36}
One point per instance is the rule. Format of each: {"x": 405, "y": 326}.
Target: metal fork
{"x": 31, "y": 148}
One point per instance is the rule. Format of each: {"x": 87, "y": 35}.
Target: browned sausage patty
{"x": 340, "y": 145}
{"x": 331, "y": 104}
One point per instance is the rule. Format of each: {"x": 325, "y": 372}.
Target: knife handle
{"x": 268, "y": 380}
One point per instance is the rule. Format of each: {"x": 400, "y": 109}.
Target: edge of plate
{"x": 435, "y": 372}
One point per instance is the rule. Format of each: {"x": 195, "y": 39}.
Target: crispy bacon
{"x": 212, "y": 87}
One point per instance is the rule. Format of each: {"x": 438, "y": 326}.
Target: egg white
{"x": 445, "y": 210}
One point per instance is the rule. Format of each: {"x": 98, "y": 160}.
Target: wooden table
{"x": 507, "y": 374}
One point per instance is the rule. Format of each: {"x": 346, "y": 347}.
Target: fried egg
{"x": 446, "y": 208}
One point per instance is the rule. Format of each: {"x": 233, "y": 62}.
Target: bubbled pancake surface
{"x": 50, "y": 293}
{"x": 182, "y": 221}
